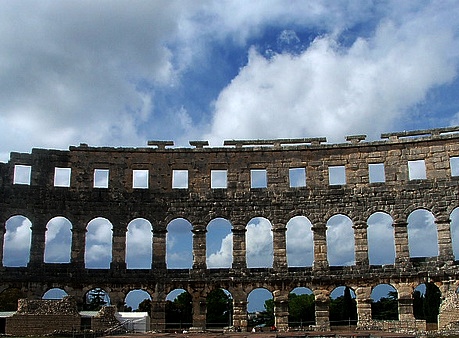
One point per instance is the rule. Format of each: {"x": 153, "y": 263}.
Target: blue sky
{"x": 119, "y": 73}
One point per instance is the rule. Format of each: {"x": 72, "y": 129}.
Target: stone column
{"x": 363, "y": 299}
{"x": 118, "y": 249}
{"x": 402, "y": 253}
{"x": 37, "y": 245}
{"x": 320, "y": 246}
{"x": 361, "y": 243}
{"x": 281, "y": 309}
{"x": 199, "y": 311}
{"x": 159, "y": 249}
{"x": 199, "y": 247}
{"x": 240, "y": 314}
{"x": 239, "y": 248}
{"x": 405, "y": 302}
{"x": 322, "y": 302}
{"x": 445, "y": 247}
{"x": 78, "y": 245}
{"x": 279, "y": 246}
{"x": 158, "y": 315}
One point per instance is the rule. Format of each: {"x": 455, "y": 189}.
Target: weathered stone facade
{"x": 358, "y": 198}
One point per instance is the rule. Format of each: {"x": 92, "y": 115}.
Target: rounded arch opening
{"x": 422, "y": 234}
{"x": 259, "y": 243}
{"x": 426, "y": 302}
{"x": 454, "y": 226}
{"x": 98, "y": 250}
{"x": 301, "y": 308}
{"x": 340, "y": 241}
{"x": 9, "y": 299}
{"x": 139, "y": 240}
{"x": 384, "y": 302}
{"x": 58, "y": 240}
{"x": 17, "y": 241}
{"x": 54, "y": 293}
{"x": 260, "y": 308}
{"x": 179, "y": 309}
{"x": 343, "y": 307}
{"x": 179, "y": 244}
{"x": 95, "y": 299}
{"x": 381, "y": 241}
{"x": 138, "y": 301}
{"x": 219, "y": 244}
{"x": 299, "y": 242}
{"x": 219, "y": 304}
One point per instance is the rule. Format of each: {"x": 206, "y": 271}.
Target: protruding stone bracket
{"x": 160, "y": 144}
{"x": 354, "y": 139}
{"x": 276, "y": 143}
{"x": 199, "y": 144}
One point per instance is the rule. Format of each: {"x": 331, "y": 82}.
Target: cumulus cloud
{"x": 139, "y": 245}
{"x": 17, "y": 241}
{"x": 333, "y": 90}
{"x": 224, "y": 256}
{"x": 381, "y": 243}
{"x": 58, "y": 240}
{"x": 422, "y": 234}
{"x": 340, "y": 241}
{"x": 259, "y": 243}
{"x": 299, "y": 242}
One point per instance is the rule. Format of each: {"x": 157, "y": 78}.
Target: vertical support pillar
{"x": 78, "y": 245}
{"x": 239, "y": 248}
{"x": 279, "y": 246}
{"x": 445, "y": 247}
{"x": 159, "y": 249}
{"x": 281, "y": 310}
{"x": 361, "y": 243}
{"x": 199, "y": 312}
{"x": 405, "y": 303}
{"x": 402, "y": 253}
{"x": 37, "y": 245}
{"x": 158, "y": 315}
{"x": 240, "y": 314}
{"x": 320, "y": 246}
{"x": 322, "y": 307}
{"x": 199, "y": 247}
{"x": 363, "y": 299}
{"x": 118, "y": 249}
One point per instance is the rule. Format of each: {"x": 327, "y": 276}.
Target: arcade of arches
{"x": 275, "y": 215}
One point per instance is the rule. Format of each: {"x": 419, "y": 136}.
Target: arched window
{"x": 381, "y": 242}
{"x": 16, "y": 246}
{"x": 299, "y": 242}
{"x": 340, "y": 241}
{"x": 179, "y": 244}
{"x": 58, "y": 242}
{"x": 422, "y": 234}
{"x": 98, "y": 253}
{"x": 219, "y": 244}
{"x": 384, "y": 302}
{"x": 54, "y": 293}
{"x": 138, "y": 301}
{"x": 219, "y": 304}
{"x": 301, "y": 308}
{"x": 139, "y": 244}
{"x": 179, "y": 309}
{"x": 259, "y": 243}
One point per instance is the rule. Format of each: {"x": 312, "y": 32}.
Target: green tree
{"x": 95, "y": 299}
{"x": 386, "y": 307}
{"x": 179, "y": 313}
{"x": 219, "y": 308}
{"x": 144, "y": 306}
{"x": 301, "y": 309}
{"x": 343, "y": 310}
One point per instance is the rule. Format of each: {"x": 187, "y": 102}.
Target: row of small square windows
{"x": 258, "y": 177}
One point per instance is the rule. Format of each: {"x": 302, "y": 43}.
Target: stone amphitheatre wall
{"x": 238, "y": 202}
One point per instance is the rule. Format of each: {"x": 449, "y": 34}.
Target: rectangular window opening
{"x": 22, "y": 174}
{"x": 454, "y": 164}
{"x": 417, "y": 170}
{"x": 140, "y": 179}
{"x": 258, "y": 178}
{"x": 101, "y": 178}
{"x": 337, "y": 175}
{"x": 297, "y": 177}
{"x": 376, "y": 172}
{"x": 62, "y": 177}
{"x": 180, "y": 179}
{"x": 218, "y": 179}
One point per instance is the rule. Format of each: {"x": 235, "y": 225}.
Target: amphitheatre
{"x": 104, "y": 182}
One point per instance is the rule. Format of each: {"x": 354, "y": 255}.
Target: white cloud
{"x": 422, "y": 234}
{"x": 17, "y": 241}
{"x": 224, "y": 256}
{"x": 340, "y": 241}
{"x": 299, "y": 242}
{"x": 381, "y": 243}
{"x": 259, "y": 243}
{"x": 139, "y": 245}
{"x": 331, "y": 90}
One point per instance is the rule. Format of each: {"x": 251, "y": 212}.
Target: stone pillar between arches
{"x": 78, "y": 245}
{"x": 402, "y": 253}
{"x": 279, "y": 247}
{"x": 239, "y": 248}
{"x": 322, "y": 309}
{"x": 2, "y": 239}
{"x": 363, "y": 299}
{"x": 199, "y": 312}
{"x": 158, "y": 315}
{"x": 320, "y": 246}
{"x": 240, "y": 314}
{"x": 361, "y": 243}
{"x": 445, "y": 247}
{"x": 199, "y": 247}
{"x": 280, "y": 299}
{"x": 118, "y": 249}
{"x": 37, "y": 245}
{"x": 158, "y": 260}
